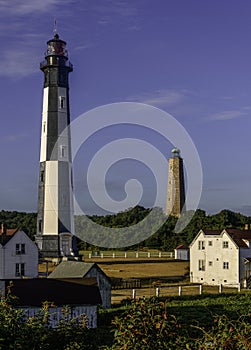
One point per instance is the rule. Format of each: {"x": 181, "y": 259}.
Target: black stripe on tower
{"x": 52, "y": 124}
{"x": 41, "y": 189}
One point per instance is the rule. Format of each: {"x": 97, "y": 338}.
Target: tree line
{"x": 165, "y": 238}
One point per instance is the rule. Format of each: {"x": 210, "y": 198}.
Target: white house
{"x": 85, "y": 273}
{"x": 18, "y": 255}
{"x": 221, "y": 257}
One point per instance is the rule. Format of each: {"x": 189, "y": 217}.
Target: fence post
{"x": 239, "y": 287}
{"x": 90, "y": 256}
{"x": 113, "y": 255}
{"x": 201, "y": 288}
{"x": 102, "y": 255}
{"x": 149, "y": 255}
{"x": 125, "y": 255}
{"x": 157, "y": 292}
{"x": 159, "y": 254}
{"x": 137, "y": 254}
{"x": 180, "y": 290}
{"x": 134, "y": 294}
{"x": 220, "y": 288}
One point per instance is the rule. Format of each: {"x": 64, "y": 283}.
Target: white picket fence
{"x": 179, "y": 290}
{"x": 129, "y": 254}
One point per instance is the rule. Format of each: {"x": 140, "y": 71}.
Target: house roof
{"x": 33, "y": 292}
{"x": 71, "y": 269}
{"x": 212, "y": 232}
{"x": 7, "y": 234}
{"x": 182, "y": 246}
{"x": 75, "y": 269}
{"x": 238, "y": 236}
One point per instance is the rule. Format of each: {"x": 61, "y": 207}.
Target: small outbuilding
{"x": 32, "y": 293}
{"x": 181, "y": 252}
{"x": 80, "y": 272}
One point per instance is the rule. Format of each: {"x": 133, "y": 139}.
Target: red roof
{"x": 212, "y": 232}
{"x": 7, "y": 234}
{"x": 238, "y": 236}
{"x": 182, "y": 246}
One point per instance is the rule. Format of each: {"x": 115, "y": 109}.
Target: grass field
{"x": 145, "y": 269}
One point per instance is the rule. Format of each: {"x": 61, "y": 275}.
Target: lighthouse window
{"x": 44, "y": 127}
{"x": 63, "y": 151}
{"x": 40, "y": 226}
{"x": 62, "y": 101}
{"x": 42, "y": 176}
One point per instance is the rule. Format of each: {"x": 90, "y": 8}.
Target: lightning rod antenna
{"x": 55, "y": 29}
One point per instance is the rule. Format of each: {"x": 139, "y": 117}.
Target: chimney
{"x": 3, "y": 230}
{"x": 246, "y": 227}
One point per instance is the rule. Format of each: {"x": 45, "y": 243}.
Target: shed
{"x": 32, "y": 293}
{"x": 81, "y": 272}
{"x": 181, "y": 252}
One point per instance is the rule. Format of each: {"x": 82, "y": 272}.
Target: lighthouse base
{"x": 57, "y": 247}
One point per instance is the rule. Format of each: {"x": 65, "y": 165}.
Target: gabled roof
{"x": 7, "y": 234}
{"x": 33, "y": 292}
{"x": 239, "y": 236}
{"x": 74, "y": 269}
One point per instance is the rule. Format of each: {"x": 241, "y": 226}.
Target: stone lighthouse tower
{"x": 55, "y": 220}
{"x": 176, "y": 186}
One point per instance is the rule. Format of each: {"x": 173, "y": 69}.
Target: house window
{"x": 225, "y": 265}
{"x": 225, "y": 244}
{"x": 210, "y": 263}
{"x": 210, "y": 243}
{"x": 62, "y": 102}
{"x": 20, "y": 248}
{"x": 202, "y": 265}
{"x": 20, "y": 270}
{"x": 201, "y": 245}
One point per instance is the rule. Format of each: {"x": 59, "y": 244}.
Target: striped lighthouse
{"x": 55, "y": 219}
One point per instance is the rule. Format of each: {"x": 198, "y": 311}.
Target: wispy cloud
{"x": 12, "y": 138}
{"x": 24, "y": 7}
{"x": 18, "y": 62}
{"x": 226, "y": 115}
{"x": 160, "y": 98}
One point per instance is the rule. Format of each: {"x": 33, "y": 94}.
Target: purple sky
{"x": 189, "y": 58}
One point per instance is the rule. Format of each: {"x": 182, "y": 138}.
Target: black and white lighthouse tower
{"x": 55, "y": 219}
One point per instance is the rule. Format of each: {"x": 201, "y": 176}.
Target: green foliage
{"x": 24, "y": 221}
{"x": 149, "y": 324}
{"x": 146, "y": 325}
{"x": 227, "y": 334}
